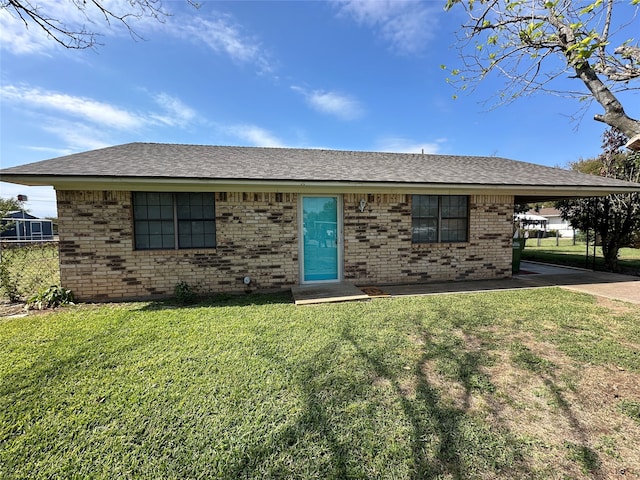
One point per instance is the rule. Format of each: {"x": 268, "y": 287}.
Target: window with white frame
{"x": 439, "y": 218}
{"x": 164, "y": 220}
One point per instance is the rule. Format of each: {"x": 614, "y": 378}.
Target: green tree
{"x": 8, "y": 205}
{"x": 615, "y": 218}
{"x": 522, "y": 40}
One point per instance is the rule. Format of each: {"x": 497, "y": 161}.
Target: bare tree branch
{"x": 69, "y": 35}
{"x": 534, "y": 43}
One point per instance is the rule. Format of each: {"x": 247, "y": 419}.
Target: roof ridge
{"x": 319, "y": 149}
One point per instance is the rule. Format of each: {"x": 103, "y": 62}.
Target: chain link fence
{"x": 26, "y": 268}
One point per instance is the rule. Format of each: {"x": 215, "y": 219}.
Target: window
{"x": 439, "y": 218}
{"x": 174, "y": 220}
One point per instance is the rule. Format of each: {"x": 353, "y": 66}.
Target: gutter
{"x": 302, "y": 186}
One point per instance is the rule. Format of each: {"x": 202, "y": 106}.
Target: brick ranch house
{"x": 136, "y": 219}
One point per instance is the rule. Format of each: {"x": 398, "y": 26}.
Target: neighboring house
{"x": 531, "y": 222}
{"x": 21, "y": 226}
{"x": 555, "y": 221}
{"x": 136, "y": 219}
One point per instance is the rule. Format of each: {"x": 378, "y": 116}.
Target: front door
{"x": 320, "y": 247}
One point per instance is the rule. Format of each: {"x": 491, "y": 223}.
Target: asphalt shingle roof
{"x": 155, "y": 160}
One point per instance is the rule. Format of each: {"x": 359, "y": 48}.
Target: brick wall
{"x": 257, "y": 237}
{"x": 378, "y": 248}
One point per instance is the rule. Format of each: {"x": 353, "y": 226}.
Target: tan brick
{"x": 98, "y": 259}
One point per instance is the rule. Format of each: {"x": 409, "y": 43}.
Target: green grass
{"x": 631, "y": 409}
{"x": 585, "y": 456}
{"x": 452, "y": 386}
{"x": 574, "y": 255}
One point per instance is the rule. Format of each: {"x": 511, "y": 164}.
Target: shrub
{"x": 51, "y": 297}
{"x": 581, "y": 236}
{"x": 184, "y": 293}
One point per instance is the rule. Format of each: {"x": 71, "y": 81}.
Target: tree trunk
{"x": 610, "y": 250}
{"x": 614, "y": 114}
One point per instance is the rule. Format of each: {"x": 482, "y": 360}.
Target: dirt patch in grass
{"x": 462, "y": 377}
{"x": 11, "y": 309}
{"x": 614, "y": 306}
{"x": 568, "y": 417}
{"x": 381, "y": 382}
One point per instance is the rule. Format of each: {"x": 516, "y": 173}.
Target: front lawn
{"x": 565, "y": 253}
{"x": 517, "y": 384}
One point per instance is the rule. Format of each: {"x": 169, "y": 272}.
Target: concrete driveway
{"x": 610, "y": 285}
{"x": 625, "y": 288}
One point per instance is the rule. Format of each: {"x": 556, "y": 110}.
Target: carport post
{"x": 592, "y": 202}
{"x": 586, "y": 258}
{"x": 595, "y": 235}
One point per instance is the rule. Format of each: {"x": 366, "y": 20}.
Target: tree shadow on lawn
{"x": 445, "y": 439}
{"x": 442, "y": 439}
{"x": 327, "y": 454}
{"x": 580, "y": 453}
{"x": 427, "y": 415}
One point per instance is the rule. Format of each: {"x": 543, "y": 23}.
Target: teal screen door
{"x": 320, "y": 238}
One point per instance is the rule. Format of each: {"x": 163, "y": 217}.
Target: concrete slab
{"x": 529, "y": 268}
{"x": 452, "y": 287}
{"x": 625, "y": 288}
{"x": 327, "y": 292}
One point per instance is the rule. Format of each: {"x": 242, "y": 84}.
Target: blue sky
{"x": 333, "y": 74}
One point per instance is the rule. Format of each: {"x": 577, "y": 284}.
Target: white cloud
{"x": 77, "y": 136}
{"x": 407, "y": 25}
{"x": 253, "y": 135}
{"x": 340, "y": 105}
{"x": 176, "y": 112}
{"x": 85, "y": 123}
{"x": 18, "y": 39}
{"x": 217, "y": 31}
{"x": 79, "y": 107}
{"x": 223, "y": 36}
{"x": 405, "y": 145}
{"x": 58, "y": 152}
